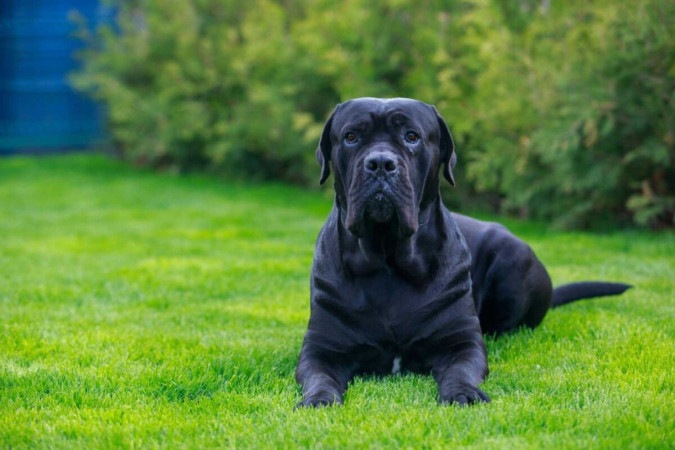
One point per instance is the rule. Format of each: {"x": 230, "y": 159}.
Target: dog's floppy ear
{"x": 323, "y": 151}
{"x": 447, "y": 147}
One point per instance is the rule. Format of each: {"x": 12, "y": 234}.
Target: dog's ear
{"x": 324, "y": 149}
{"x": 447, "y": 147}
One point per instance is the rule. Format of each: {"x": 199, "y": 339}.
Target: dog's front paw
{"x": 463, "y": 394}
{"x": 320, "y": 399}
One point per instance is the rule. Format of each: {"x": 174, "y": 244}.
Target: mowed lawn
{"x": 142, "y": 310}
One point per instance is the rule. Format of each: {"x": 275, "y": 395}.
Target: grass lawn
{"x": 146, "y": 310}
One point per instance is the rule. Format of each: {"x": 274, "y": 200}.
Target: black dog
{"x": 399, "y": 282}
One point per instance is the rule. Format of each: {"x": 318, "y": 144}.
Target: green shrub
{"x": 559, "y": 111}
{"x": 201, "y": 85}
{"x": 584, "y": 136}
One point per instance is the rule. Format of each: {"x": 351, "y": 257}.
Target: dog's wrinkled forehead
{"x": 368, "y": 116}
{"x": 395, "y": 111}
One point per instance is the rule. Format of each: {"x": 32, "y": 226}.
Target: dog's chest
{"x": 387, "y": 296}
{"x": 392, "y": 324}
{"x": 393, "y": 311}
{"x": 390, "y": 321}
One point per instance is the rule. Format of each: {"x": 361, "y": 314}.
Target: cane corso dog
{"x": 398, "y": 282}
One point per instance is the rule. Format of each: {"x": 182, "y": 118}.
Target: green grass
{"x": 145, "y": 310}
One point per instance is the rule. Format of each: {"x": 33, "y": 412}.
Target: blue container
{"x": 39, "y": 111}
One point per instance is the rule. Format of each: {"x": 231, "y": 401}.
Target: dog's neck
{"x": 384, "y": 251}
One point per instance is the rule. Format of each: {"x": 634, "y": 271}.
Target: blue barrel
{"x": 39, "y": 111}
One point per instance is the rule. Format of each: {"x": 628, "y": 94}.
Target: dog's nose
{"x": 380, "y": 162}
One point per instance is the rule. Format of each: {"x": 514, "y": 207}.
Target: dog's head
{"x": 386, "y": 155}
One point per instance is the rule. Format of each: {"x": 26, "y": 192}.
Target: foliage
{"x": 560, "y": 110}
{"x": 155, "y": 311}
{"x": 592, "y": 140}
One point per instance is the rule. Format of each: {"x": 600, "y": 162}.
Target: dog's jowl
{"x": 398, "y": 282}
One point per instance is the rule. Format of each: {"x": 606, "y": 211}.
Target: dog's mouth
{"x": 381, "y": 210}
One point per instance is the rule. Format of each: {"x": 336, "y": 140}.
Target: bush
{"x": 562, "y": 112}
{"x": 202, "y": 85}
{"x": 592, "y": 142}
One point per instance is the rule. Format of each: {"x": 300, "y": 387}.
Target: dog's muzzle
{"x": 380, "y": 170}
{"x": 380, "y": 194}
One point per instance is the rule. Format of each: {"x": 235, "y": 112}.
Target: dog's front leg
{"x": 323, "y": 382}
{"x": 459, "y": 372}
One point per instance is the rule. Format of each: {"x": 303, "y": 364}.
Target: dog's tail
{"x": 568, "y": 293}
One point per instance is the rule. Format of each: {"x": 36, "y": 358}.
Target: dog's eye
{"x": 350, "y": 137}
{"x": 412, "y": 137}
